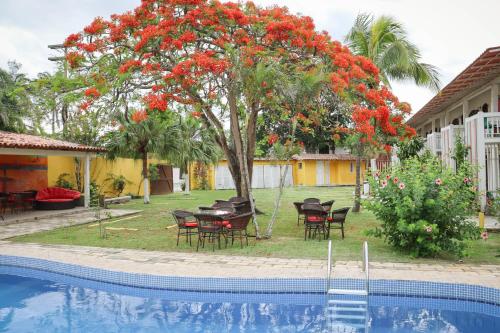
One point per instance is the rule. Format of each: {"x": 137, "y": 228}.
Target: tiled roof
{"x": 325, "y": 157}
{"x": 26, "y": 141}
{"x": 485, "y": 68}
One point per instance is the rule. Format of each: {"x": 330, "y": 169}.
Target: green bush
{"x": 63, "y": 182}
{"x": 425, "y": 207}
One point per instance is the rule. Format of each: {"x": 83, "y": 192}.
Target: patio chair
{"x": 237, "y": 226}
{"x": 312, "y": 201}
{"x": 20, "y": 201}
{"x": 337, "y": 219}
{"x": 314, "y": 220}
{"x": 186, "y": 224}
{"x": 300, "y": 212}
{"x": 211, "y": 226}
{"x": 327, "y": 205}
{"x": 237, "y": 199}
{"x": 4, "y": 201}
{"x": 243, "y": 207}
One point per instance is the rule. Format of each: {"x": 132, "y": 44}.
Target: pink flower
{"x": 402, "y": 186}
{"x": 395, "y": 180}
{"x": 467, "y": 180}
{"x": 428, "y": 229}
{"x": 377, "y": 174}
{"x": 384, "y": 183}
{"x": 438, "y": 181}
{"x": 484, "y": 235}
{"x": 388, "y": 177}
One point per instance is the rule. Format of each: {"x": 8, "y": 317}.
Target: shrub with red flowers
{"x": 424, "y": 207}
{"x": 197, "y": 53}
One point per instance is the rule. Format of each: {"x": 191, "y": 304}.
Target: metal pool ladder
{"x": 347, "y": 309}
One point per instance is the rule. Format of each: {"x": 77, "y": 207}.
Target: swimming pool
{"x": 40, "y": 301}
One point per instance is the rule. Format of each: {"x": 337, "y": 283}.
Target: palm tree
{"x": 137, "y": 140}
{"x": 194, "y": 143}
{"x": 14, "y": 100}
{"x": 385, "y": 41}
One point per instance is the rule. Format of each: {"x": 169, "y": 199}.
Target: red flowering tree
{"x": 204, "y": 54}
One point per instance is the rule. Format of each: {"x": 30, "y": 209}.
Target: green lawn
{"x": 287, "y": 240}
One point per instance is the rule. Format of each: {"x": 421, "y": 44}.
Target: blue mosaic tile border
{"x": 259, "y": 287}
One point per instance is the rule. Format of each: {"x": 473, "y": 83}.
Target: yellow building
{"x": 303, "y": 170}
{"x": 101, "y": 169}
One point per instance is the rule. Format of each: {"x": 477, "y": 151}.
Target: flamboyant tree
{"x": 205, "y": 55}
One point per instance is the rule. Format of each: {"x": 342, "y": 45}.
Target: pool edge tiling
{"x": 313, "y": 286}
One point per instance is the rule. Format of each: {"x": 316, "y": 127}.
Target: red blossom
{"x": 156, "y": 102}
{"x": 139, "y": 116}
{"x": 130, "y": 64}
{"x": 72, "y": 40}
{"x": 272, "y": 139}
{"x": 92, "y": 92}
{"x": 96, "y": 27}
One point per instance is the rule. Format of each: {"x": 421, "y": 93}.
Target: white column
{"x": 481, "y": 162}
{"x": 465, "y": 110}
{"x": 494, "y": 98}
{"x": 446, "y": 119}
{"x": 373, "y": 165}
{"x": 86, "y": 180}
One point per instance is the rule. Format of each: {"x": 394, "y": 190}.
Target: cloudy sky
{"x": 450, "y": 34}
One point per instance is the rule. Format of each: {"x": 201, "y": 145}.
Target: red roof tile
{"x": 485, "y": 68}
{"x": 26, "y": 141}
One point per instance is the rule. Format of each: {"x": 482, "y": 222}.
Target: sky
{"x": 450, "y": 34}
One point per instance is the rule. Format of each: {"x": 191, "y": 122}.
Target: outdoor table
{"x": 216, "y": 212}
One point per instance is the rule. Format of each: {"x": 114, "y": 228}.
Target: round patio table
{"x": 216, "y": 212}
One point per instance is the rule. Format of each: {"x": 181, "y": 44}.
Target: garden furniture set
{"x": 319, "y": 218}
{"x": 226, "y": 219}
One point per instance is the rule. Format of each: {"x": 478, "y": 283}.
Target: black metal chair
{"x": 237, "y": 226}
{"x": 300, "y": 212}
{"x": 337, "y": 220}
{"x": 4, "y": 202}
{"x": 312, "y": 201}
{"x": 243, "y": 207}
{"x": 327, "y": 205}
{"x": 220, "y": 205}
{"x": 315, "y": 218}
{"x": 211, "y": 226}
{"x": 187, "y": 224}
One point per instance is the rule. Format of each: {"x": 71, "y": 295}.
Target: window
{"x": 300, "y": 166}
{"x": 352, "y": 167}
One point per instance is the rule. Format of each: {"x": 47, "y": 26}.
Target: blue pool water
{"x": 28, "y": 304}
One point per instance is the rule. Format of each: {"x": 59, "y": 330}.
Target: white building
{"x": 468, "y": 107}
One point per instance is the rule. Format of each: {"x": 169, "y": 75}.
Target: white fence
{"x": 264, "y": 176}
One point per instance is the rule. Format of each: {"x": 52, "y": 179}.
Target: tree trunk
{"x": 187, "y": 182}
{"x": 145, "y": 177}
{"x": 239, "y": 150}
{"x": 357, "y": 192}
{"x": 78, "y": 174}
{"x": 277, "y": 202}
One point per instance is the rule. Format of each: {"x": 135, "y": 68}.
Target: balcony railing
{"x": 482, "y": 125}
{"x": 433, "y": 142}
{"x": 449, "y": 136}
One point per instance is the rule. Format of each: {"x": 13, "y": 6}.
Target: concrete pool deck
{"x": 214, "y": 265}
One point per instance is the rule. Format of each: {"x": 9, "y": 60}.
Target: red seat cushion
{"x": 315, "y": 219}
{"x": 57, "y": 193}
{"x": 228, "y": 226}
{"x": 223, "y": 223}
{"x": 191, "y": 224}
{"x": 330, "y": 219}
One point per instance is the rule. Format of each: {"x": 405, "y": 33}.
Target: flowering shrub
{"x": 424, "y": 207}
